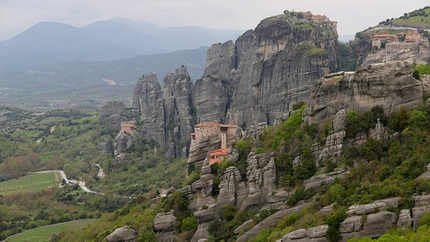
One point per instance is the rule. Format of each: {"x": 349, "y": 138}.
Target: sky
{"x": 352, "y": 16}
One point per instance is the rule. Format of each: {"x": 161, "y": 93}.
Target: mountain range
{"x": 52, "y": 43}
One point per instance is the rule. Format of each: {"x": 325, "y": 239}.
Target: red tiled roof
{"x": 382, "y": 35}
{"x": 214, "y": 123}
{"x": 127, "y": 125}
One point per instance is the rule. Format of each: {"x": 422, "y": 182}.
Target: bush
{"x": 229, "y": 212}
{"x": 189, "y": 223}
{"x": 333, "y": 222}
{"x": 31, "y": 225}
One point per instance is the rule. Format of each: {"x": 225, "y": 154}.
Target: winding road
{"x": 70, "y": 182}
{"x": 80, "y": 183}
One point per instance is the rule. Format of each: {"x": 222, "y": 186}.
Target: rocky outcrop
{"x": 271, "y": 221}
{"x": 270, "y": 68}
{"x": 178, "y": 112}
{"x": 123, "y": 141}
{"x": 316, "y": 182}
{"x": 199, "y": 151}
{"x": 334, "y": 141}
{"x": 388, "y": 85}
{"x": 123, "y": 234}
{"x": 105, "y": 145}
{"x": 121, "y": 160}
{"x": 260, "y": 174}
{"x": 317, "y": 234}
{"x": 373, "y": 225}
{"x": 166, "y": 114}
{"x": 231, "y": 181}
{"x": 164, "y": 225}
{"x": 111, "y": 112}
{"x": 148, "y": 100}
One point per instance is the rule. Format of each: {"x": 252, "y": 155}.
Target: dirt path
{"x": 101, "y": 173}
{"x": 80, "y": 183}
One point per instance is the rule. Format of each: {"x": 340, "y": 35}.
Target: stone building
{"x": 211, "y": 141}
{"x": 127, "y": 128}
{"x": 225, "y": 132}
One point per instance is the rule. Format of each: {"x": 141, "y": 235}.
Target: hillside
{"x": 69, "y": 140}
{"x": 416, "y": 19}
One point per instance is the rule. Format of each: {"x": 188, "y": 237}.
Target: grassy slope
{"x": 415, "y": 21}
{"x": 30, "y": 183}
{"x": 44, "y": 233}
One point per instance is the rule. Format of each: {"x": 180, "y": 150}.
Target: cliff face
{"x": 148, "y": 100}
{"x": 268, "y": 69}
{"x": 166, "y": 114}
{"x": 388, "y": 85}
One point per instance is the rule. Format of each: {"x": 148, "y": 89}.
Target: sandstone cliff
{"x": 166, "y": 114}
{"x": 267, "y": 70}
{"x": 388, "y": 85}
{"x": 111, "y": 112}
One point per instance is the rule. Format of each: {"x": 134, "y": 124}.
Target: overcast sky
{"x": 352, "y": 16}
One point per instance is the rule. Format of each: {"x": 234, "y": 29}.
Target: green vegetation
{"x": 423, "y": 69}
{"x": 30, "y": 183}
{"x": 419, "y": 18}
{"x": 27, "y": 145}
{"x": 362, "y": 122}
{"x": 43, "y": 234}
{"x": 346, "y": 59}
{"x": 311, "y": 51}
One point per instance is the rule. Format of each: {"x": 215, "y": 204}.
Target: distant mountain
{"x": 51, "y": 43}
{"x": 73, "y": 84}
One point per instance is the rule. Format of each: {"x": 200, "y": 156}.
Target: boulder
{"x": 405, "y": 219}
{"x": 121, "y": 160}
{"x": 351, "y": 224}
{"x": 327, "y": 209}
{"x": 377, "y": 224}
{"x": 164, "y": 222}
{"x": 417, "y": 213}
{"x": 317, "y": 232}
{"x": 378, "y": 205}
{"x": 105, "y": 145}
{"x": 296, "y": 234}
{"x": 316, "y": 182}
{"x": 111, "y": 112}
{"x": 123, "y": 234}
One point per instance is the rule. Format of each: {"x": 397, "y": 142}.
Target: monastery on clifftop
{"x": 225, "y": 132}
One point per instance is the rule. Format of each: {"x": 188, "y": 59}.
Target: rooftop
{"x": 214, "y": 123}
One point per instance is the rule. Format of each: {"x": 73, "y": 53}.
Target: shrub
{"x": 333, "y": 222}
{"x": 229, "y": 212}
{"x": 189, "y": 223}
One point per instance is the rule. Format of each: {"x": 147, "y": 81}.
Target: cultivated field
{"x": 30, "y": 183}
{"x": 43, "y": 233}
